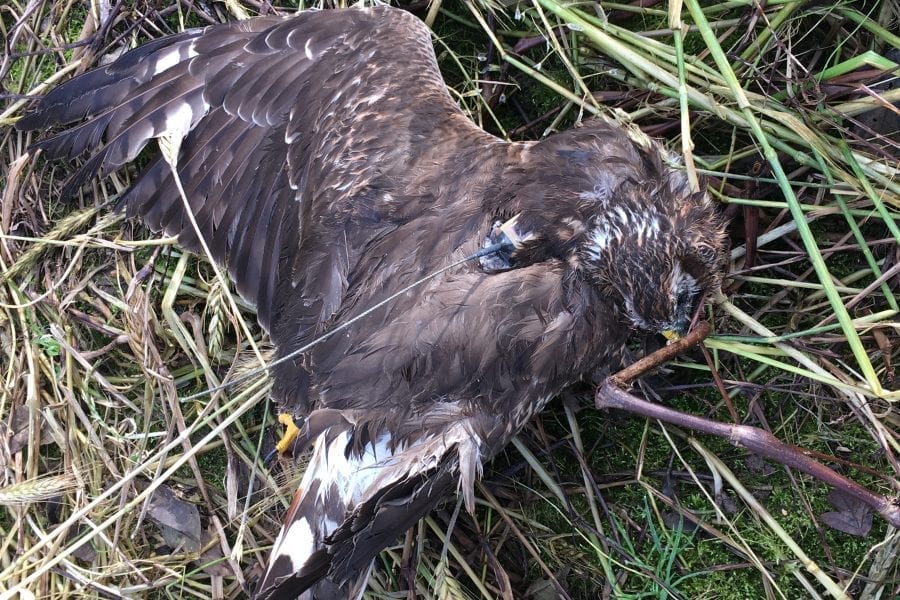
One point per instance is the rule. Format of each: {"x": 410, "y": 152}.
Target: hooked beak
{"x": 678, "y": 330}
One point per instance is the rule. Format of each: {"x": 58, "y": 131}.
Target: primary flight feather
{"x": 326, "y": 165}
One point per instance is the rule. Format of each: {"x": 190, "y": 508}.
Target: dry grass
{"x": 108, "y": 334}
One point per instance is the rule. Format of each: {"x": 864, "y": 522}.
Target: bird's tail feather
{"x": 360, "y": 491}
{"x": 299, "y": 564}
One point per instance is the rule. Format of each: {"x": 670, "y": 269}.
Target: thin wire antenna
{"x": 503, "y": 245}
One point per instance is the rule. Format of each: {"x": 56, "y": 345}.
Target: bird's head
{"x": 601, "y": 200}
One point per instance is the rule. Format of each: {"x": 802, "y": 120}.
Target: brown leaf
{"x": 17, "y": 432}
{"x": 758, "y": 466}
{"x": 852, "y": 516}
{"x": 213, "y": 560}
{"x": 886, "y": 348}
{"x": 178, "y": 521}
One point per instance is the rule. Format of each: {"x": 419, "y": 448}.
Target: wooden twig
{"x": 624, "y": 378}
{"x": 758, "y": 441}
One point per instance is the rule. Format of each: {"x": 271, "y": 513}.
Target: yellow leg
{"x": 290, "y": 433}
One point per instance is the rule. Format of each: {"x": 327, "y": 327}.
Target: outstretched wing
{"x": 293, "y": 129}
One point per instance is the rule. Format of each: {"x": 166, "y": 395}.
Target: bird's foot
{"x": 291, "y": 432}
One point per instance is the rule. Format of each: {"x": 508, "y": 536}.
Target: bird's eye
{"x": 706, "y": 254}
{"x": 684, "y": 307}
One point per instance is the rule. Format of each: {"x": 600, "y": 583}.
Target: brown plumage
{"x": 328, "y": 167}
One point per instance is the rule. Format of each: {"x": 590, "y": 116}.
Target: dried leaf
{"x": 758, "y": 466}
{"x": 213, "y": 560}
{"x": 17, "y": 431}
{"x": 680, "y": 522}
{"x": 542, "y": 589}
{"x": 726, "y": 503}
{"x": 852, "y": 516}
{"x": 178, "y": 521}
{"x": 886, "y": 348}
{"x": 232, "y": 485}
{"x": 86, "y": 553}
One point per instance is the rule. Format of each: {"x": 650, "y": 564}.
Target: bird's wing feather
{"x": 293, "y": 129}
